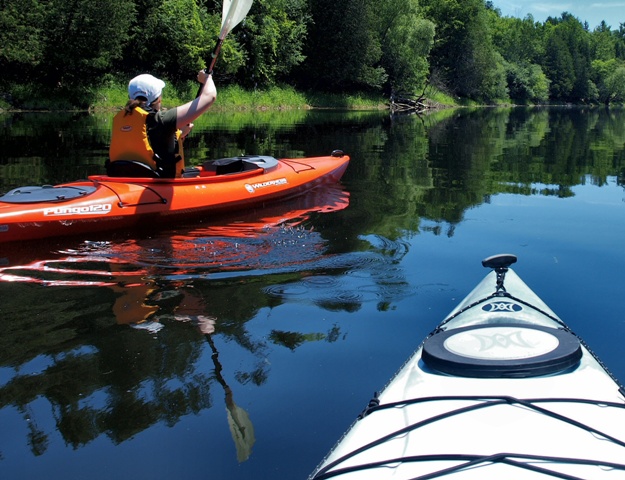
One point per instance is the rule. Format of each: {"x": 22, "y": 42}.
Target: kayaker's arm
{"x": 188, "y": 112}
{"x": 233, "y": 12}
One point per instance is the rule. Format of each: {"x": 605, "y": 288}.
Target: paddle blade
{"x": 233, "y": 12}
{"x": 225, "y": 8}
{"x": 242, "y": 431}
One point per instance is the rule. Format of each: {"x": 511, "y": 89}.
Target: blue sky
{"x": 612, "y": 11}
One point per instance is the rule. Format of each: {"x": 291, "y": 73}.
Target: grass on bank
{"x": 114, "y": 95}
{"x": 234, "y": 97}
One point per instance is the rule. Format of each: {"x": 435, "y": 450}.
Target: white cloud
{"x": 549, "y": 8}
{"x": 607, "y": 5}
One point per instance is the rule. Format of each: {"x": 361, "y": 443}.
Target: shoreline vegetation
{"x": 232, "y": 98}
{"x": 229, "y": 98}
{"x": 406, "y": 56}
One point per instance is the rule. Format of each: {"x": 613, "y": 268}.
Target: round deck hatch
{"x": 46, "y": 193}
{"x": 502, "y": 350}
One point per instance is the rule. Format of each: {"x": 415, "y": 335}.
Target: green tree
{"x": 173, "y": 39}
{"x": 559, "y": 67}
{"x": 603, "y": 43}
{"x": 464, "y": 59}
{"x": 83, "y": 39}
{"x": 520, "y": 42}
{"x": 22, "y": 38}
{"x": 275, "y": 39}
{"x": 603, "y": 76}
{"x": 539, "y": 84}
{"x": 619, "y": 46}
{"x": 406, "y": 39}
{"x": 343, "y": 52}
{"x": 568, "y": 60}
{"x": 616, "y": 85}
{"x": 527, "y": 83}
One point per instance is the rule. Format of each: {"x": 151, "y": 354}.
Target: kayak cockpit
{"x": 221, "y": 166}
{"x": 227, "y": 166}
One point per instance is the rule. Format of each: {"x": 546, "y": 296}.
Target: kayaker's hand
{"x": 185, "y": 130}
{"x": 202, "y": 76}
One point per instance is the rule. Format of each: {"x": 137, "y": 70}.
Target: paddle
{"x": 233, "y": 12}
{"x": 241, "y": 427}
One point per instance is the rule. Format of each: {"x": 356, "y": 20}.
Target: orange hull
{"x": 112, "y": 203}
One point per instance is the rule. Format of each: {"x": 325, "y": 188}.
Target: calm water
{"x": 242, "y": 347}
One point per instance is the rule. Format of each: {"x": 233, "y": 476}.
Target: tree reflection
{"x": 101, "y": 377}
{"x": 67, "y": 308}
{"x": 416, "y": 171}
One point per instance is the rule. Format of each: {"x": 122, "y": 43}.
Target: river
{"x": 243, "y": 346}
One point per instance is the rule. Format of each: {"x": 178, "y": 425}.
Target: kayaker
{"x": 145, "y": 133}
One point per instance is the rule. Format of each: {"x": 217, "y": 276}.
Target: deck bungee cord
{"x": 483, "y": 402}
{"x": 502, "y": 388}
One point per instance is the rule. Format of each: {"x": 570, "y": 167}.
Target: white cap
{"x": 147, "y": 86}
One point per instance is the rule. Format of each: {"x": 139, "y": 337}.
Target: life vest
{"x": 129, "y": 140}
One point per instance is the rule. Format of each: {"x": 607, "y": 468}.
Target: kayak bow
{"x": 501, "y": 389}
{"x": 107, "y": 203}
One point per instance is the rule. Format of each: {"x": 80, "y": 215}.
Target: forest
{"x": 463, "y": 48}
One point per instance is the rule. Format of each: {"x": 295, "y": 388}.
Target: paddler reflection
{"x": 137, "y": 305}
{"x": 241, "y": 427}
{"x": 170, "y": 280}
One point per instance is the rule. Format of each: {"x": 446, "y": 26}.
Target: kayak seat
{"x": 130, "y": 168}
{"x": 225, "y": 166}
{"x": 267, "y": 163}
{"x": 191, "y": 172}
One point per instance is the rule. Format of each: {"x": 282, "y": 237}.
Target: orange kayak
{"x": 107, "y": 203}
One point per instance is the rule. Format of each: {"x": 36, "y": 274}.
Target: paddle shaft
{"x": 214, "y": 55}
{"x": 233, "y": 13}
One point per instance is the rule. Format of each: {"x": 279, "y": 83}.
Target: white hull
{"x": 564, "y": 424}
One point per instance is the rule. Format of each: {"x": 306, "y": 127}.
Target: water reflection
{"x": 241, "y": 427}
{"x": 112, "y": 337}
{"x": 100, "y": 380}
{"x": 177, "y": 291}
{"x": 433, "y": 171}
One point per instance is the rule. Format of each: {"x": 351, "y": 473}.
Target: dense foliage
{"x": 462, "y": 47}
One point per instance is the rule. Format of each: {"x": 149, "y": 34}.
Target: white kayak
{"x": 502, "y": 389}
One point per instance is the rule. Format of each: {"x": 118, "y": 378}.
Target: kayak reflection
{"x": 106, "y": 379}
{"x": 205, "y": 245}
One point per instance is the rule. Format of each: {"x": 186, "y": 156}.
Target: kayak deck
{"x": 107, "y": 203}
{"x": 476, "y": 424}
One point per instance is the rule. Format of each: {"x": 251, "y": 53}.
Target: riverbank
{"x": 229, "y": 98}
{"x": 233, "y": 97}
